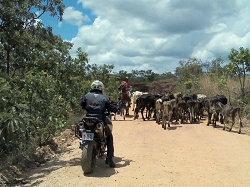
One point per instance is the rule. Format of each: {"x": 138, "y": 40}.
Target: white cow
{"x": 135, "y": 95}
{"x": 201, "y": 96}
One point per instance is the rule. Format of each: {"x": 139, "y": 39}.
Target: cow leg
{"x": 240, "y": 124}
{"x": 215, "y": 119}
{"x": 154, "y": 113}
{"x": 164, "y": 121}
{"x": 190, "y": 114}
{"x": 233, "y": 120}
{"x": 136, "y": 115}
{"x": 169, "y": 119}
{"x": 127, "y": 111}
{"x": 225, "y": 121}
{"x": 157, "y": 116}
{"x": 142, "y": 110}
{"x": 149, "y": 113}
{"x": 209, "y": 116}
{"x": 221, "y": 119}
{"x": 182, "y": 117}
{"x": 146, "y": 113}
{"x": 175, "y": 114}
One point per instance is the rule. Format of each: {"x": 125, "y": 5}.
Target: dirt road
{"x": 146, "y": 155}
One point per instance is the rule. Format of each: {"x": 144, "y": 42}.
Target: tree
{"x": 216, "y": 68}
{"x": 18, "y": 21}
{"x": 189, "y": 69}
{"x": 188, "y": 73}
{"x": 239, "y": 65}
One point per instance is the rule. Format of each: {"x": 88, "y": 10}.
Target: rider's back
{"x": 95, "y": 104}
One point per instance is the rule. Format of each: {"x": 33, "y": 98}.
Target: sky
{"x": 154, "y": 35}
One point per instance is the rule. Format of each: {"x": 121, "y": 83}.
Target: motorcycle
{"x": 91, "y": 132}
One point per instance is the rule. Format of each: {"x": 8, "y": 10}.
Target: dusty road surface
{"x": 146, "y": 155}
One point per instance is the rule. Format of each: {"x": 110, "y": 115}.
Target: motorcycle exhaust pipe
{"x": 99, "y": 126}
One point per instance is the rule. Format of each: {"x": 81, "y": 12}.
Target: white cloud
{"x": 220, "y": 45}
{"x": 217, "y": 28}
{"x": 136, "y": 35}
{"x": 74, "y": 17}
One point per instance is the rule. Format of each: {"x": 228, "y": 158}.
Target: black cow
{"x": 145, "y": 101}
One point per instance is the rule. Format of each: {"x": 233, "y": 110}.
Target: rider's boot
{"x": 109, "y": 161}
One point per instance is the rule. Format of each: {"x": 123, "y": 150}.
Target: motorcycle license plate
{"x": 88, "y": 136}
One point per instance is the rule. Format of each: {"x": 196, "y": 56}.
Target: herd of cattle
{"x": 184, "y": 108}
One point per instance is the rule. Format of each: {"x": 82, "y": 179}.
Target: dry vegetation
{"x": 30, "y": 160}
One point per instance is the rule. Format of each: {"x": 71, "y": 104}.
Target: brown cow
{"x": 229, "y": 111}
{"x": 167, "y": 112}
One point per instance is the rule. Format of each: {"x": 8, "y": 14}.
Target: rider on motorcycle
{"x": 96, "y": 104}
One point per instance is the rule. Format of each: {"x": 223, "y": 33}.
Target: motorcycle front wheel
{"x": 88, "y": 160}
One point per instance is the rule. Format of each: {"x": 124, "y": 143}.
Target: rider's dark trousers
{"x": 110, "y": 145}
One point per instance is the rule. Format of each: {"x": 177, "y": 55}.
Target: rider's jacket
{"x": 96, "y": 103}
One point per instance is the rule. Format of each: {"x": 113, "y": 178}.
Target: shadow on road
{"x": 103, "y": 170}
{"x": 35, "y": 176}
{"x": 39, "y": 173}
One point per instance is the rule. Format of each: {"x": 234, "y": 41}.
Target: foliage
{"x": 19, "y": 27}
{"x": 188, "y": 70}
{"x": 214, "y": 68}
{"x": 238, "y": 66}
{"x": 41, "y": 84}
{"x": 188, "y": 74}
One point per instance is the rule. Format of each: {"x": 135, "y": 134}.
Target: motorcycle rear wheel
{"x": 88, "y": 160}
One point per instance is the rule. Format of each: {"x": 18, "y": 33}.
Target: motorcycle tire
{"x": 88, "y": 160}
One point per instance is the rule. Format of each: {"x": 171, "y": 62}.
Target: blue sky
{"x": 154, "y": 35}
{"x": 67, "y": 29}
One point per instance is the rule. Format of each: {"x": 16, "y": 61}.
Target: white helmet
{"x": 97, "y": 85}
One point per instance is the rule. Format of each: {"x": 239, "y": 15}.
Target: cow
{"x": 199, "y": 109}
{"x": 145, "y": 101}
{"x": 228, "y": 111}
{"x": 167, "y": 96}
{"x": 158, "y": 110}
{"x": 201, "y": 96}
{"x": 213, "y": 110}
{"x": 167, "y": 112}
{"x": 182, "y": 110}
{"x": 183, "y": 105}
{"x": 177, "y": 95}
{"x": 200, "y": 106}
{"x": 192, "y": 110}
{"x": 135, "y": 95}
